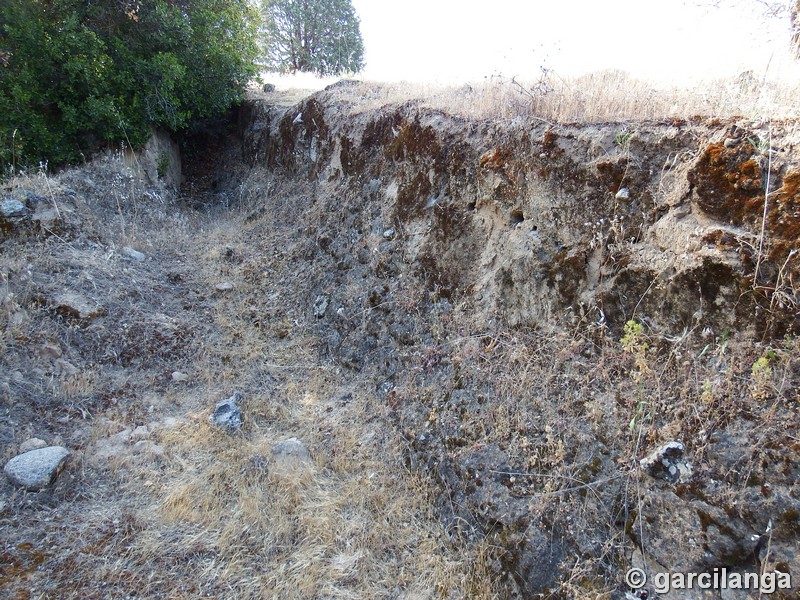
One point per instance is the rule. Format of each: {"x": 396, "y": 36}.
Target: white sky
{"x": 467, "y": 40}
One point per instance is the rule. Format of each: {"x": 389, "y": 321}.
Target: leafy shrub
{"x": 77, "y": 75}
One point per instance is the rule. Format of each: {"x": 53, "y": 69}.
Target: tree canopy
{"x": 318, "y": 36}
{"x": 75, "y": 75}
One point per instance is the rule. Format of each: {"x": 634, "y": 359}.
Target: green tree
{"x": 76, "y": 75}
{"x": 318, "y": 36}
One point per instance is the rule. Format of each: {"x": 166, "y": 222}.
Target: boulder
{"x": 36, "y": 469}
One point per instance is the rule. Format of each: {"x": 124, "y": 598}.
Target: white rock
{"x": 290, "y": 455}
{"x": 35, "y": 470}
{"x": 623, "y": 194}
{"x": 133, "y": 254}
{"x": 225, "y": 286}
{"x": 32, "y": 444}
{"x": 179, "y": 377}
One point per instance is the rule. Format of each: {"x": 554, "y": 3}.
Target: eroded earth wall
{"x": 470, "y": 272}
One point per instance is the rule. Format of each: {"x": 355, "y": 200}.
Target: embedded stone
{"x": 227, "y": 414}
{"x": 36, "y": 469}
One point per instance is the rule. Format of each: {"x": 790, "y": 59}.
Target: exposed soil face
{"x": 478, "y": 328}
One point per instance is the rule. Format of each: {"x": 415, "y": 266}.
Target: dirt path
{"x": 156, "y": 502}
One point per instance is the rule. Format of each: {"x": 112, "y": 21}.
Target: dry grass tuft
{"x": 596, "y": 97}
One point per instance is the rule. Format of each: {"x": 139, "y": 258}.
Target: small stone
{"x": 133, "y": 254}
{"x": 35, "y": 470}
{"x": 51, "y": 351}
{"x": 12, "y": 210}
{"x": 121, "y": 437}
{"x": 731, "y": 142}
{"x": 227, "y": 413}
{"x": 179, "y": 377}
{"x": 667, "y": 462}
{"x": 147, "y": 447}
{"x": 321, "y": 305}
{"x": 291, "y": 448}
{"x": 225, "y": 286}
{"x": 76, "y": 306}
{"x": 32, "y": 444}
{"x": 389, "y": 234}
{"x": 268, "y": 88}
{"x": 289, "y": 455}
{"x": 623, "y": 194}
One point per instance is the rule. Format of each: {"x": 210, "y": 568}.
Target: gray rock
{"x": 225, "y": 286}
{"x": 268, "y": 88}
{"x": 35, "y": 470}
{"x": 179, "y": 377}
{"x": 291, "y": 449}
{"x": 146, "y": 447}
{"x": 32, "y": 444}
{"x": 76, "y": 306}
{"x": 389, "y": 234}
{"x": 227, "y": 413}
{"x": 623, "y": 194}
{"x": 289, "y": 456}
{"x": 321, "y": 305}
{"x": 12, "y": 210}
{"x": 667, "y": 462}
{"x": 133, "y": 254}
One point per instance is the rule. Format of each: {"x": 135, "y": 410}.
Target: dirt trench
{"x": 478, "y": 329}
{"x": 541, "y": 306}
{"x": 191, "y": 303}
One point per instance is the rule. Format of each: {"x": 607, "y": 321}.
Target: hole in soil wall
{"x": 517, "y": 217}
{"x": 471, "y": 206}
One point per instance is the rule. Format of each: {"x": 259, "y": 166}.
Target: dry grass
{"x": 596, "y": 97}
